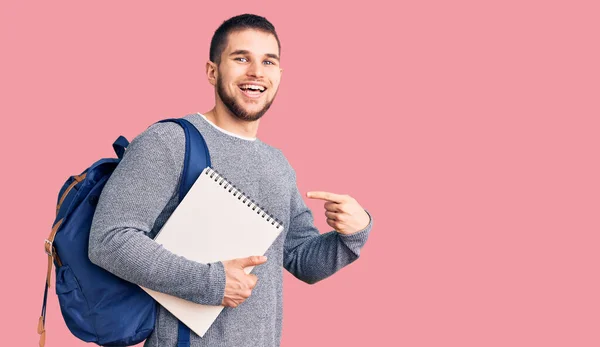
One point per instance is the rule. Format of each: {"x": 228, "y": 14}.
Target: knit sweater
{"x": 142, "y": 193}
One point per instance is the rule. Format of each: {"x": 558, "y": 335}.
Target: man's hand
{"x": 344, "y": 214}
{"x": 238, "y": 284}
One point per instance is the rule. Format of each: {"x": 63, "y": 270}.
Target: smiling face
{"x": 248, "y": 75}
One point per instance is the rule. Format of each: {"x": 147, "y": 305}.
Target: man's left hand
{"x": 343, "y": 212}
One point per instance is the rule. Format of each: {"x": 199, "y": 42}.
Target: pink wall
{"x": 468, "y": 129}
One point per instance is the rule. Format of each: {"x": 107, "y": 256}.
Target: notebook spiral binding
{"x": 217, "y": 177}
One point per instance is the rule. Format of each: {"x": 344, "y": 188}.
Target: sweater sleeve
{"x": 311, "y": 256}
{"x": 135, "y": 194}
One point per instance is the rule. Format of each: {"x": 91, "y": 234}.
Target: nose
{"x": 255, "y": 69}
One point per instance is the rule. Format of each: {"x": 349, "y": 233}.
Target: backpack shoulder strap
{"x": 196, "y": 159}
{"x": 197, "y": 156}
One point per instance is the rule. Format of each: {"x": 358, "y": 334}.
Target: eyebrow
{"x": 243, "y": 51}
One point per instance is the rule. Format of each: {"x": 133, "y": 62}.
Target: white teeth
{"x": 253, "y": 87}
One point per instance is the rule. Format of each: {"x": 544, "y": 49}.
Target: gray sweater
{"x": 142, "y": 193}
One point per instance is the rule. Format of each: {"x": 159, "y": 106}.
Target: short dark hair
{"x": 241, "y": 22}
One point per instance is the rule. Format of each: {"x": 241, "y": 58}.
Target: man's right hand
{"x": 238, "y": 284}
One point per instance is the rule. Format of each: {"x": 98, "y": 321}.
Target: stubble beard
{"x": 236, "y": 109}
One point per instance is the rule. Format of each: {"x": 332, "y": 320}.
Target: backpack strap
{"x": 196, "y": 159}
{"x": 197, "y": 156}
{"x": 183, "y": 335}
{"x": 76, "y": 180}
{"x": 120, "y": 145}
{"x": 51, "y": 252}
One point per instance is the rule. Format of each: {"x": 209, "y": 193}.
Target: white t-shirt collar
{"x": 225, "y": 131}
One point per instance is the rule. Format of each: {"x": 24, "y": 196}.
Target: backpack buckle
{"x": 48, "y": 247}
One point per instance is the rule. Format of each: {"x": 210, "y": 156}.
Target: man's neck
{"x": 225, "y": 120}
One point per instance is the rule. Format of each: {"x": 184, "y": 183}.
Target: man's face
{"x": 248, "y": 75}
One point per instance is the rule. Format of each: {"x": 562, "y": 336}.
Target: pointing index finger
{"x": 325, "y": 196}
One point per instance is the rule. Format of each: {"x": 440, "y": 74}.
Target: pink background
{"x": 468, "y": 128}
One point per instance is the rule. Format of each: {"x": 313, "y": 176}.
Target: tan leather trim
{"x": 41, "y": 325}
{"x": 56, "y": 257}
{"x": 50, "y": 249}
{"x": 41, "y": 331}
{"x": 76, "y": 179}
{"x": 51, "y": 252}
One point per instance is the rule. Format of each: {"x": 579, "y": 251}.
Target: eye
{"x": 242, "y": 59}
{"x": 268, "y": 62}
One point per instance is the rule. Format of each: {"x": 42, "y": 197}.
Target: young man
{"x": 245, "y": 69}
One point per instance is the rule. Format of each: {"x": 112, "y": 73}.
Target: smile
{"x": 252, "y": 90}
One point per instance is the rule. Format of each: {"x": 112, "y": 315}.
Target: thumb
{"x": 252, "y": 260}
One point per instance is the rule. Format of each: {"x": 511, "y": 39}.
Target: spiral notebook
{"x": 215, "y": 221}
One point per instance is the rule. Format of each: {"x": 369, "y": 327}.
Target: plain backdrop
{"x": 469, "y": 129}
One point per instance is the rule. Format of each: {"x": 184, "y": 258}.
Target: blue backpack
{"x": 96, "y": 305}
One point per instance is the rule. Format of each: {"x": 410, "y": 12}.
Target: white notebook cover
{"x": 211, "y": 224}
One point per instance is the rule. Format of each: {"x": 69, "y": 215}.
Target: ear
{"x": 211, "y": 72}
